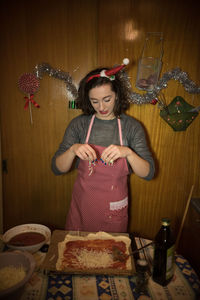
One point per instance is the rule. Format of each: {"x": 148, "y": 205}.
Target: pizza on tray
{"x": 93, "y": 252}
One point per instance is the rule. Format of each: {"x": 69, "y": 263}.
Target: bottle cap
{"x": 165, "y": 221}
{"x": 142, "y": 264}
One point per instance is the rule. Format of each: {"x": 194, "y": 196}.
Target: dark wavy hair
{"x": 83, "y": 101}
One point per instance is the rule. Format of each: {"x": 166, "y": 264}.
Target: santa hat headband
{"x": 111, "y": 72}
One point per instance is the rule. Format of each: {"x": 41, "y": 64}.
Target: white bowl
{"x": 9, "y": 234}
{"x": 17, "y": 259}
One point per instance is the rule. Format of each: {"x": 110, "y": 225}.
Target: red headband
{"x": 110, "y": 73}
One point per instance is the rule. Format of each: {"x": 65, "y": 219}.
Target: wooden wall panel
{"x": 35, "y": 32}
{"x": 1, "y": 194}
{"x": 176, "y": 153}
{"x": 77, "y": 36}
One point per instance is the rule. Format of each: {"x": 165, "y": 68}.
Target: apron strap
{"x": 90, "y": 128}
{"x": 120, "y": 131}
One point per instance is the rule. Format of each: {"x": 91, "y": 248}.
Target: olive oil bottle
{"x": 163, "y": 260}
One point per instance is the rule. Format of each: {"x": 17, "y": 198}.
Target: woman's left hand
{"x": 139, "y": 166}
{"x": 113, "y": 152}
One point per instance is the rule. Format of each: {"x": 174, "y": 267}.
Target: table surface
{"x": 185, "y": 284}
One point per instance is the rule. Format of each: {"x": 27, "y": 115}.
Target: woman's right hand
{"x": 84, "y": 151}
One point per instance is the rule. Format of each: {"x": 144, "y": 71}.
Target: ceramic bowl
{"x": 27, "y": 228}
{"x": 16, "y": 259}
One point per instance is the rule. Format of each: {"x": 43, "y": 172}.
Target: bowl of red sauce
{"x": 27, "y": 237}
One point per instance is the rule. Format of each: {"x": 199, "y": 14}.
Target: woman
{"x": 108, "y": 146}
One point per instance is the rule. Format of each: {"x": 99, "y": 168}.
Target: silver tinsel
{"x": 175, "y": 74}
{"x": 58, "y": 74}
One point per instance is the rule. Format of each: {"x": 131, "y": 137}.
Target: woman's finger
{"x": 86, "y": 152}
{"x": 110, "y": 153}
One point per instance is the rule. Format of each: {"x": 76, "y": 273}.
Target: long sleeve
{"x": 135, "y": 138}
{"x": 74, "y": 133}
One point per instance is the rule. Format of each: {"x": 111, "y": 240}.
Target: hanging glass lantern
{"x": 150, "y": 63}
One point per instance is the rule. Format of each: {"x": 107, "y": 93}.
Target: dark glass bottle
{"x": 163, "y": 261}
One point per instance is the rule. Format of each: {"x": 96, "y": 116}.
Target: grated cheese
{"x": 90, "y": 259}
{"x": 9, "y": 276}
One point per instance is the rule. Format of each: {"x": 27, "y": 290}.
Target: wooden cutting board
{"x": 49, "y": 264}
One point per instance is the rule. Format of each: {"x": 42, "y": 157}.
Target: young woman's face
{"x": 102, "y": 99}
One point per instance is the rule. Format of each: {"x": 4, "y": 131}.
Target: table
{"x": 184, "y": 286}
{"x": 190, "y": 235}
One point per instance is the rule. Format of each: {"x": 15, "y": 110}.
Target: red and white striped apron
{"x": 100, "y": 194}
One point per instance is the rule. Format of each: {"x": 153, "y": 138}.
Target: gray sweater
{"x": 105, "y": 133}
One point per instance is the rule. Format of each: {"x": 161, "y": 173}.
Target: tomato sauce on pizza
{"x": 92, "y": 254}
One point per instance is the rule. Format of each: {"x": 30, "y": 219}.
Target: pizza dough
{"x": 92, "y": 252}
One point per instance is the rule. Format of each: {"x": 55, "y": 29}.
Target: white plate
{"x": 27, "y": 228}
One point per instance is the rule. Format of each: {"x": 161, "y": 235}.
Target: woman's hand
{"x": 84, "y": 151}
{"x": 139, "y": 166}
{"x": 113, "y": 152}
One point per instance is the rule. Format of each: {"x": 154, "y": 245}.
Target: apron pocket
{"x": 119, "y": 204}
{"x": 118, "y": 211}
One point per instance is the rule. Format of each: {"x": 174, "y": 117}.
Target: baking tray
{"x": 49, "y": 263}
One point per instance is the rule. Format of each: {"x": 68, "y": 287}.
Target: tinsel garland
{"x": 40, "y": 69}
{"x": 175, "y": 74}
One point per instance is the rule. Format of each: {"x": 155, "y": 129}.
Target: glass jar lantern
{"x": 150, "y": 63}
